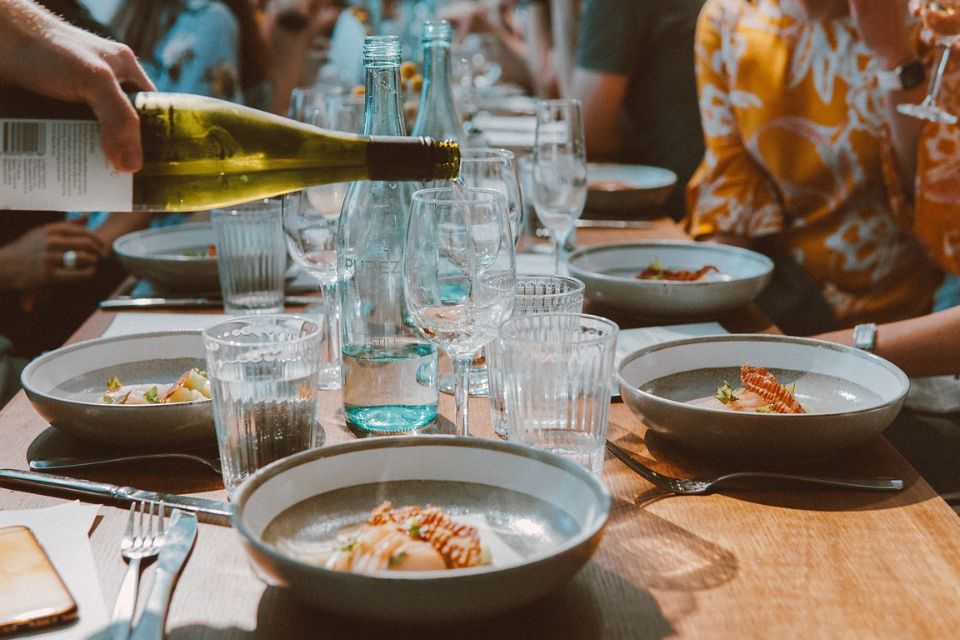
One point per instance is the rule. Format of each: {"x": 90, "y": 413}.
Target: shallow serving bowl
{"x": 627, "y": 188}
{"x": 65, "y": 385}
{"x": 609, "y": 271}
{"x": 171, "y": 258}
{"x": 849, "y": 395}
{"x": 550, "y": 512}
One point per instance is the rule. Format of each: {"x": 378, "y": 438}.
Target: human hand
{"x": 35, "y": 259}
{"x": 466, "y": 17}
{"x": 46, "y": 55}
{"x": 882, "y": 25}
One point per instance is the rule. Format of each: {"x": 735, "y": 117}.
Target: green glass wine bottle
{"x": 199, "y": 153}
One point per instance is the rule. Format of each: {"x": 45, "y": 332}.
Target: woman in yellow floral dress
{"x": 804, "y": 145}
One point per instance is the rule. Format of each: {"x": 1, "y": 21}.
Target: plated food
{"x": 670, "y": 279}
{"x": 537, "y": 518}
{"x": 172, "y": 259}
{"x": 628, "y": 190}
{"x": 847, "y": 396}
{"x": 192, "y": 386}
{"x": 66, "y": 386}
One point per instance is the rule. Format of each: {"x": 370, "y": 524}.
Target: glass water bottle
{"x": 390, "y": 371}
{"x": 437, "y": 115}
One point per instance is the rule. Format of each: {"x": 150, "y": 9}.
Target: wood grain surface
{"x": 783, "y": 562}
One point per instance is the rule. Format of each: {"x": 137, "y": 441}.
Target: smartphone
{"x": 32, "y": 594}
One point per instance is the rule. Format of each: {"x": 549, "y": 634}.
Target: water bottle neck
{"x": 383, "y": 110}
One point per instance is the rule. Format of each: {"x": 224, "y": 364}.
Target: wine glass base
{"x": 479, "y": 384}
{"x": 928, "y": 112}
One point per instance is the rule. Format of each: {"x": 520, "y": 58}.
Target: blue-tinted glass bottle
{"x": 390, "y": 371}
{"x": 437, "y": 114}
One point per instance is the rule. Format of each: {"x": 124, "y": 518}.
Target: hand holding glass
{"x": 459, "y": 268}
{"x": 941, "y": 18}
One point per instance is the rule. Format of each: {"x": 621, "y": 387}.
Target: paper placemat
{"x": 63, "y": 533}
{"x": 135, "y": 322}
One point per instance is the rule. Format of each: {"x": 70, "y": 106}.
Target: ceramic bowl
{"x": 549, "y": 512}
{"x": 627, "y": 188}
{"x": 172, "y": 258}
{"x": 65, "y": 386}
{"x": 849, "y": 395}
{"x": 610, "y": 270}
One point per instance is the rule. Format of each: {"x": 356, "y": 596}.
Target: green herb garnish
{"x": 152, "y": 396}
{"x": 397, "y": 558}
{"x": 412, "y": 527}
{"x": 727, "y": 394}
{"x": 113, "y": 383}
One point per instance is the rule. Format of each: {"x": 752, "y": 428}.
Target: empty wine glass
{"x": 941, "y": 18}
{"x": 559, "y": 169}
{"x": 459, "y": 274}
{"x": 310, "y": 220}
{"x": 490, "y": 169}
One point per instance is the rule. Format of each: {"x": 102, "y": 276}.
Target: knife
{"x": 116, "y": 492}
{"x": 129, "y": 302}
{"x": 585, "y": 223}
{"x": 177, "y": 544}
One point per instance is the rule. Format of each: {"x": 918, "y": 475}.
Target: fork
{"x": 141, "y": 540}
{"x": 695, "y": 486}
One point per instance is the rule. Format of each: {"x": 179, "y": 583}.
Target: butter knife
{"x": 115, "y": 492}
{"x": 129, "y": 302}
{"x": 177, "y": 544}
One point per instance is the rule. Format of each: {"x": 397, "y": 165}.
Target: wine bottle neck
{"x": 417, "y": 159}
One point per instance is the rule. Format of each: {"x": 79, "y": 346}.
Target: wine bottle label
{"x": 58, "y": 165}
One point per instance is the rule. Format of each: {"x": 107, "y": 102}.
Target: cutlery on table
{"x": 694, "y": 486}
{"x": 141, "y": 541}
{"x": 131, "y": 302}
{"x": 587, "y": 223}
{"x": 177, "y": 544}
{"x": 115, "y": 492}
{"x": 68, "y": 462}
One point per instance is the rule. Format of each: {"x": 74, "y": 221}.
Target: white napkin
{"x": 63, "y": 533}
{"x": 630, "y": 340}
{"x": 131, "y": 323}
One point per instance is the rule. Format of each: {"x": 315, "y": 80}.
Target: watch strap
{"x": 908, "y": 75}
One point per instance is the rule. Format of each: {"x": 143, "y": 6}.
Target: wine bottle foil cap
{"x": 437, "y": 32}
{"x": 381, "y": 49}
{"x": 395, "y": 158}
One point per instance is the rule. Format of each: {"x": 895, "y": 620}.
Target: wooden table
{"x": 787, "y": 562}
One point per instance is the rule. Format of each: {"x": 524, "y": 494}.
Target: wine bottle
{"x": 389, "y": 369}
{"x": 199, "y": 153}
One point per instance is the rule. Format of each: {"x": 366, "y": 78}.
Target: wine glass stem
{"x": 558, "y": 242}
{"x": 331, "y": 322}
{"x": 461, "y": 395}
{"x": 938, "y": 76}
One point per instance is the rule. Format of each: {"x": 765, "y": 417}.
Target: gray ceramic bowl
{"x": 64, "y": 386}
{"x": 609, "y": 272}
{"x": 171, "y": 258}
{"x": 850, "y": 395}
{"x": 627, "y": 188}
{"x": 550, "y": 511}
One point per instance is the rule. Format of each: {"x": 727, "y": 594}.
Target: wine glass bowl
{"x": 559, "y": 177}
{"x": 460, "y": 272}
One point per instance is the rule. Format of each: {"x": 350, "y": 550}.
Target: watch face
{"x": 912, "y": 75}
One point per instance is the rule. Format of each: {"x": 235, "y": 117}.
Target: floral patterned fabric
{"x": 797, "y": 145}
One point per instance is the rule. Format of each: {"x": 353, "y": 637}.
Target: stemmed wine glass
{"x": 460, "y": 272}
{"x": 942, "y": 19}
{"x": 559, "y": 169}
{"x": 489, "y": 169}
{"x": 310, "y": 220}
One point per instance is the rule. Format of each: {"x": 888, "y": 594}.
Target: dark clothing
{"x": 651, "y": 42}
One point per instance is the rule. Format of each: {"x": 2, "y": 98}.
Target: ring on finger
{"x": 70, "y": 259}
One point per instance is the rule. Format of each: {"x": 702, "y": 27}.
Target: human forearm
{"x": 923, "y": 346}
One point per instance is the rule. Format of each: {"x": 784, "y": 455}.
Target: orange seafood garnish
{"x": 764, "y": 384}
{"x": 655, "y": 271}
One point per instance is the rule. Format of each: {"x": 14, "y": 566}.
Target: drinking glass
{"x": 534, "y": 294}
{"x": 559, "y": 169}
{"x": 489, "y": 169}
{"x": 250, "y": 256}
{"x": 263, "y": 378}
{"x": 460, "y": 271}
{"x": 310, "y": 220}
{"x": 557, "y": 369}
{"x": 941, "y": 19}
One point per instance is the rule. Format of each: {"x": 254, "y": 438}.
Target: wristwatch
{"x": 865, "y": 337}
{"x": 908, "y": 75}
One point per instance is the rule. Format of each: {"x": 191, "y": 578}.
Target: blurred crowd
{"x": 778, "y": 117}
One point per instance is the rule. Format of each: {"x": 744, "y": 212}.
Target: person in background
{"x": 807, "y": 154}
{"x": 634, "y": 75}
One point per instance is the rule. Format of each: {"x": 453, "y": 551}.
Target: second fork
{"x": 141, "y": 540}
